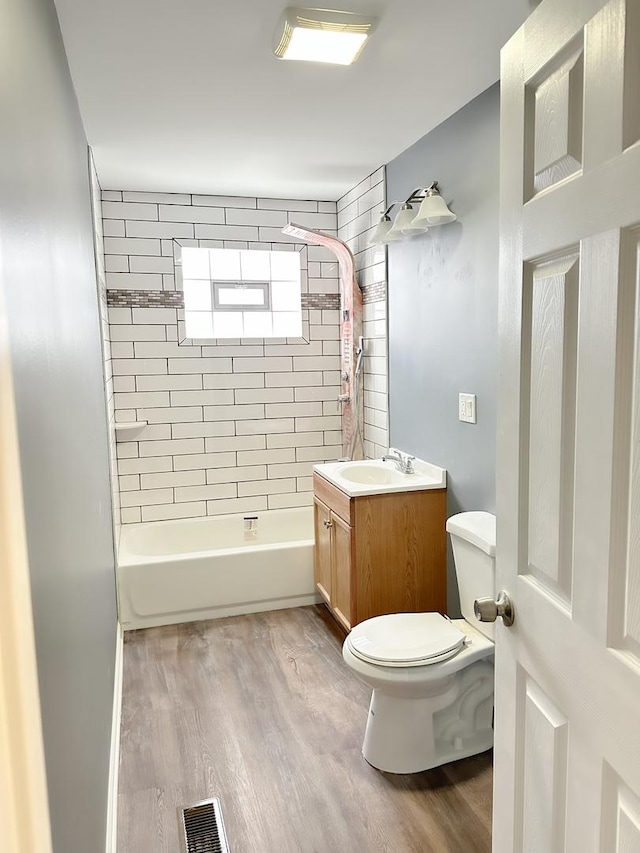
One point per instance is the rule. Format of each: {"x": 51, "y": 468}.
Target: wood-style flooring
{"x": 260, "y": 711}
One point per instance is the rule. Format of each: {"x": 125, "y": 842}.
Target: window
{"x": 241, "y": 293}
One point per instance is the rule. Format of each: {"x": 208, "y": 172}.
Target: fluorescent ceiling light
{"x": 321, "y": 35}
{"x": 320, "y": 46}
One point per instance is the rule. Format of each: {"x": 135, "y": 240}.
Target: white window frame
{"x": 184, "y": 340}
{"x": 217, "y": 285}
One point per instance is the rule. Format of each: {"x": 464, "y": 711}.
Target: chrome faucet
{"x": 402, "y": 463}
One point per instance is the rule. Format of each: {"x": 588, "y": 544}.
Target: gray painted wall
{"x": 48, "y": 275}
{"x": 443, "y": 295}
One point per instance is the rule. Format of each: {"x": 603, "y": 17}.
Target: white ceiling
{"x": 185, "y": 95}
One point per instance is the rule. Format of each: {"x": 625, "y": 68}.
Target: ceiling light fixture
{"x": 433, "y": 211}
{"x": 321, "y": 35}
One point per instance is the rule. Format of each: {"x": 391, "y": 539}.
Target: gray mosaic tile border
{"x": 175, "y": 299}
{"x": 375, "y": 292}
{"x": 145, "y": 299}
{"x": 321, "y": 301}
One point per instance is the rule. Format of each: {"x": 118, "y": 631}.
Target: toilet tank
{"x": 473, "y": 538}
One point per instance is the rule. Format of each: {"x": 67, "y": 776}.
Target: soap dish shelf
{"x": 127, "y": 428}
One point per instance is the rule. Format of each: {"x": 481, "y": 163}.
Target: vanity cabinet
{"x": 322, "y": 523}
{"x": 379, "y": 554}
{"x": 334, "y": 541}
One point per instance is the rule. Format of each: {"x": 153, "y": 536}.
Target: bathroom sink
{"x": 375, "y": 476}
{"x": 372, "y": 473}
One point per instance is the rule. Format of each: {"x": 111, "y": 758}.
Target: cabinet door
{"x": 322, "y": 552}
{"x": 342, "y": 579}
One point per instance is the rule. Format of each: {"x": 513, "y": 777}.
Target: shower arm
{"x": 339, "y": 248}
{"x": 348, "y": 277}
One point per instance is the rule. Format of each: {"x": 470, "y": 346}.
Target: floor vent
{"x": 203, "y": 828}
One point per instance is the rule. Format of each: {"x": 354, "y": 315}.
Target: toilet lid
{"x": 406, "y": 639}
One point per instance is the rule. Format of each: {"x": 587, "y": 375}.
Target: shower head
{"x": 305, "y": 235}
{"x": 319, "y": 238}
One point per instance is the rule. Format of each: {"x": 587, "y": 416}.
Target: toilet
{"x": 431, "y": 676}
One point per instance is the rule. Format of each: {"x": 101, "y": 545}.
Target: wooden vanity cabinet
{"x": 379, "y": 554}
{"x": 342, "y": 549}
{"x": 322, "y": 556}
{"x": 333, "y": 560}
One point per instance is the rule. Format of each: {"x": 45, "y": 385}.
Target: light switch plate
{"x": 467, "y": 408}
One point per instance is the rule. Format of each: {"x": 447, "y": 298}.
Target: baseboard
{"x": 114, "y": 760}
{"x": 179, "y": 618}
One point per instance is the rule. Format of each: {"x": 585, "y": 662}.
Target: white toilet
{"x": 432, "y": 677}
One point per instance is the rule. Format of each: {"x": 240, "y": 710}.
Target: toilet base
{"x": 408, "y": 735}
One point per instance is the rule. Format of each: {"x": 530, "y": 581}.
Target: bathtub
{"x": 182, "y": 571}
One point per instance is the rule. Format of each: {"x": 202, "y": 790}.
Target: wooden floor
{"x": 261, "y": 711}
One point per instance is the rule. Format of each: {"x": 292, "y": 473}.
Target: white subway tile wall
{"x": 235, "y": 426}
{"x": 359, "y": 212}
{"x": 98, "y": 245}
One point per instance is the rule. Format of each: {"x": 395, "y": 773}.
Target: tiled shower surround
{"x": 358, "y": 214}
{"x": 232, "y": 426}
{"x": 101, "y": 281}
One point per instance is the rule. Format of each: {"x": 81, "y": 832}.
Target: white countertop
{"x": 375, "y": 477}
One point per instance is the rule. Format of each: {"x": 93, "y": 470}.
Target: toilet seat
{"x": 406, "y": 639}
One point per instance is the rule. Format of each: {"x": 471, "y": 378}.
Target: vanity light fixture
{"x": 403, "y": 225}
{"x": 321, "y": 35}
{"x": 382, "y": 234}
{"x": 433, "y": 211}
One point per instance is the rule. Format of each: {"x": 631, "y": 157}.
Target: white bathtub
{"x": 182, "y": 571}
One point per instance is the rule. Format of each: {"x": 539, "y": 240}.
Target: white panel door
{"x": 567, "y": 758}
{"x": 24, "y": 807}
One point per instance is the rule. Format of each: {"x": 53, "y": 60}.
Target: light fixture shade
{"x": 382, "y": 234}
{"x": 404, "y": 225}
{"x": 434, "y": 211}
{"x": 321, "y": 35}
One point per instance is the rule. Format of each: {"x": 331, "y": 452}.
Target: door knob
{"x": 328, "y": 523}
{"x": 488, "y": 610}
